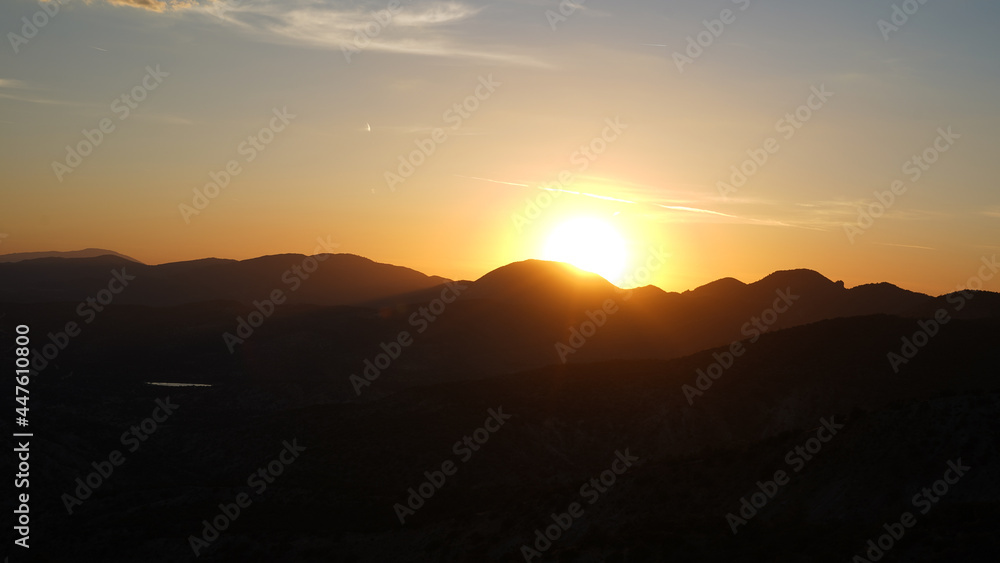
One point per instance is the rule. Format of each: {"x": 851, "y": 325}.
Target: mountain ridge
{"x": 71, "y": 254}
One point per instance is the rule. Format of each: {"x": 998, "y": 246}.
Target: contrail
{"x": 494, "y": 181}
{"x": 619, "y": 200}
{"x": 695, "y": 210}
{"x": 548, "y": 189}
{"x": 904, "y": 245}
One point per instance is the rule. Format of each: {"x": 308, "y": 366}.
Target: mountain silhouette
{"x": 334, "y": 279}
{"x": 85, "y": 253}
{"x": 520, "y": 316}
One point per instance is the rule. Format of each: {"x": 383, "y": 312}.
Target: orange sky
{"x": 505, "y": 106}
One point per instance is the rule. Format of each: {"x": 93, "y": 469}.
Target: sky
{"x": 299, "y": 119}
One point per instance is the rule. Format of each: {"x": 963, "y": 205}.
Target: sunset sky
{"x": 216, "y": 73}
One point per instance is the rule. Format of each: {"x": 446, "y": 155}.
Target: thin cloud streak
{"x": 904, "y": 245}
{"x": 45, "y": 101}
{"x": 414, "y": 30}
{"x": 493, "y": 181}
{"x": 675, "y": 208}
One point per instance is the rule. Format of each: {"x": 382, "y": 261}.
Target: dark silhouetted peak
{"x": 721, "y": 286}
{"x": 879, "y": 287}
{"x": 331, "y": 279}
{"x": 802, "y": 279}
{"x": 537, "y": 279}
{"x": 85, "y": 253}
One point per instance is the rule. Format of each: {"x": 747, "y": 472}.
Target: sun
{"x": 589, "y": 244}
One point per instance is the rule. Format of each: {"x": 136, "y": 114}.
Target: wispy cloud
{"x": 903, "y": 245}
{"x": 493, "y": 181}
{"x": 21, "y": 91}
{"x": 424, "y": 28}
{"x": 164, "y": 118}
{"x": 652, "y": 203}
{"x": 695, "y": 210}
{"x": 160, "y": 5}
{"x": 44, "y": 101}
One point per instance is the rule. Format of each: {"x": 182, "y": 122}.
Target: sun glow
{"x": 589, "y": 244}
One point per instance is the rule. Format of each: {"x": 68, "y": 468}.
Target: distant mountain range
{"x": 172, "y": 317}
{"x": 85, "y": 253}
{"x": 334, "y": 279}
